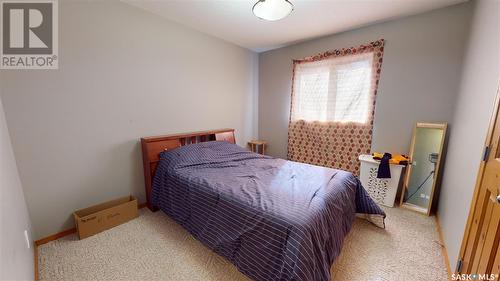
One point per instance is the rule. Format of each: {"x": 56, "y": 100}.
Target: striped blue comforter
{"x": 273, "y": 219}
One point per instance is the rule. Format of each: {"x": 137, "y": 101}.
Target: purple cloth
{"x": 273, "y": 219}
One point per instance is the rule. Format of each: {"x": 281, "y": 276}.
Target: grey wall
{"x": 16, "y": 259}
{"x": 419, "y": 80}
{"x": 123, "y": 73}
{"x": 480, "y": 79}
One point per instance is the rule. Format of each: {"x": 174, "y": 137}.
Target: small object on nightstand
{"x": 258, "y": 146}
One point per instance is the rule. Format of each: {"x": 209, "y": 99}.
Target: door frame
{"x": 480, "y": 174}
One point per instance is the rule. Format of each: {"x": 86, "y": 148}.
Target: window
{"x": 336, "y": 89}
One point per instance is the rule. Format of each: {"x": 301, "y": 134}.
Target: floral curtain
{"x": 333, "y": 104}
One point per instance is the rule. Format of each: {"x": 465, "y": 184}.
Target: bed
{"x": 273, "y": 219}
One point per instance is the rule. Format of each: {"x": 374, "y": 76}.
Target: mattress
{"x": 273, "y": 219}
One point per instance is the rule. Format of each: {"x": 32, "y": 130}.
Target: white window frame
{"x": 301, "y": 108}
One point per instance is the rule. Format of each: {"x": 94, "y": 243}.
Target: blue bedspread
{"x": 273, "y": 219}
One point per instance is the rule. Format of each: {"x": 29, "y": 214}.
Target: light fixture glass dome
{"x": 272, "y": 9}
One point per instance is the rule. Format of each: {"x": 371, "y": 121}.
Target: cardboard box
{"x": 95, "y": 219}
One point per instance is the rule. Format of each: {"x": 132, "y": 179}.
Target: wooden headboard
{"x": 153, "y": 146}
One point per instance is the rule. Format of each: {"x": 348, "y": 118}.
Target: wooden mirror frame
{"x": 437, "y": 175}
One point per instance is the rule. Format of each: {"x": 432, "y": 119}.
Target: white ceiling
{"x": 233, "y": 21}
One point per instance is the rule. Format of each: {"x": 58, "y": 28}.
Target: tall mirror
{"x": 423, "y": 172}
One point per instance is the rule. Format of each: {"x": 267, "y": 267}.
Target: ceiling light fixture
{"x": 272, "y": 10}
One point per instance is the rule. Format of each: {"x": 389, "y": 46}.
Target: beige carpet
{"x": 154, "y": 247}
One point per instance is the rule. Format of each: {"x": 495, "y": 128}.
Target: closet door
{"x": 479, "y": 254}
